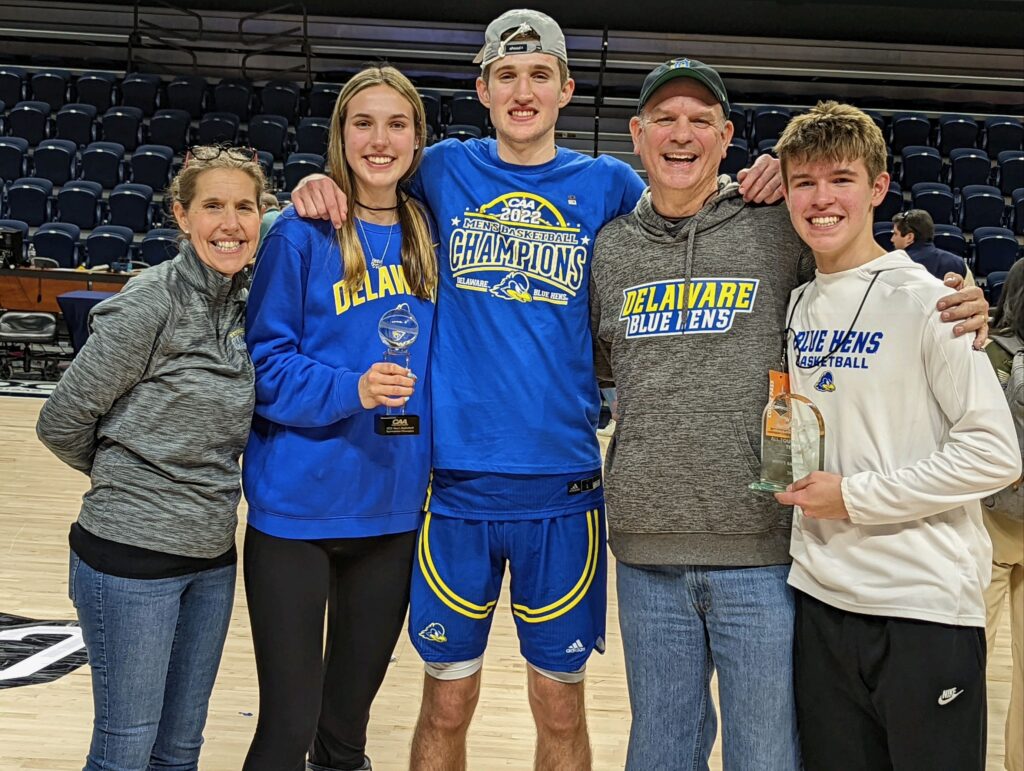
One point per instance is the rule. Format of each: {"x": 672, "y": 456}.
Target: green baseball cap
{"x": 684, "y": 68}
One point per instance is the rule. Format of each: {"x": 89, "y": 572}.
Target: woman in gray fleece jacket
{"x": 156, "y": 410}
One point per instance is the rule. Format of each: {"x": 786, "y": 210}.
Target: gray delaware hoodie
{"x": 692, "y": 377}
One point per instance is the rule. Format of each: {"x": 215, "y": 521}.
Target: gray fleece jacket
{"x": 156, "y": 409}
{"x": 687, "y": 320}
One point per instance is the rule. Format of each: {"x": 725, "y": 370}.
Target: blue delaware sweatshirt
{"x": 314, "y": 466}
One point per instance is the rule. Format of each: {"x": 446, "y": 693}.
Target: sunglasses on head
{"x": 210, "y": 152}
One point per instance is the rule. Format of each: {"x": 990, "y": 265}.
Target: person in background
{"x": 333, "y": 506}
{"x": 1004, "y": 511}
{"x": 156, "y": 410}
{"x": 271, "y": 211}
{"x": 914, "y": 232}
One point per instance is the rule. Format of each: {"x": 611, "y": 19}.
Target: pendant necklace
{"x": 376, "y": 262}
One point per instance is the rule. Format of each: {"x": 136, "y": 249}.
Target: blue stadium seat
{"x": 322, "y": 97}
{"x": 980, "y": 206}
{"x": 13, "y": 158}
{"x": 311, "y": 135}
{"x": 957, "y": 131}
{"x": 159, "y": 245}
{"x": 151, "y": 165}
{"x": 170, "y": 127}
{"x": 766, "y": 147}
{"x": 891, "y": 205}
{"x": 269, "y": 133}
{"x": 131, "y": 205}
{"x": 462, "y": 132}
{"x": 935, "y": 198}
{"x": 102, "y": 162}
{"x": 233, "y": 95}
{"x": 12, "y": 84}
{"x": 1017, "y": 211}
{"x": 300, "y": 165}
{"x": 908, "y": 129}
{"x": 738, "y": 116}
{"x": 879, "y": 120}
{"x": 21, "y": 227}
{"x": 55, "y": 160}
{"x": 51, "y": 86}
{"x": 994, "y": 283}
{"x": 466, "y": 109}
{"x": 883, "y": 235}
{"x": 951, "y": 238}
{"x": 432, "y": 111}
{"x": 123, "y": 124}
{"x": 142, "y": 91}
{"x": 79, "y": 203}
{"x": 108, "y": 244}
{"x": 77, "y": 123}
{"x": 97, "y": 89}
{"x": 968, "y": 166}
{"x": 58, "y": 241}
{"x": 28, "y": 200}
{"x": 30, "y": 120}
{"x": 280, "y": 97}
{"x": 266, "y": 161}
{"x": 1011, "y": 170}
{"x": 218, "y": 128}
{"x": 737, "y": 156}
{"x": 768, "y": 122}
{"x": 920, "y": 164}
{"x": 994, "y": 249}
{"x": 1003, "y": 133}
{"x": 188, "y": 93}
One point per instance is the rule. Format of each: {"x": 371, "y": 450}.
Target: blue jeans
{"x": 679, "y": 624}
{"x": 154, "y": 648}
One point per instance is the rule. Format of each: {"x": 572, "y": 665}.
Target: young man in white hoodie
{"x": 890, "y": 556}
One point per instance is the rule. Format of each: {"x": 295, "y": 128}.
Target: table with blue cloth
{"x": 76, "y": 306}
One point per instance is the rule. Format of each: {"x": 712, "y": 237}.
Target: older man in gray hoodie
{"x": 688, "y": 298}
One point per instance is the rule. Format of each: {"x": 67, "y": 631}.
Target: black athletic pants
{"x": 316, "y": 698}
{"x": 875, "y": 693}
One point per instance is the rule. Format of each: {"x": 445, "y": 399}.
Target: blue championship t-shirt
{"x": 514, "y": 391}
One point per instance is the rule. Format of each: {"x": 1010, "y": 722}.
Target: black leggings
{"x": 313, "y": 698}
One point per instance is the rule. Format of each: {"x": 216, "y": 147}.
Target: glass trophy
{"x": 792, "y": 442}
{"x": 398, "y": 330}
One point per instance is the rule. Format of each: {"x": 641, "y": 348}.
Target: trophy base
{"x": 397, "y": 425}
{"x": 768, "y": 487}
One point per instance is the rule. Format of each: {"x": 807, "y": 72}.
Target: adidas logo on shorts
{"x": 576, "y": 647}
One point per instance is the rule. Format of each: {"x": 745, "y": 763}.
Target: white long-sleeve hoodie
{"x": 919, "y": 428}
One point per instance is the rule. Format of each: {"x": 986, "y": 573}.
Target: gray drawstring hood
{"x": 688, "y": 318}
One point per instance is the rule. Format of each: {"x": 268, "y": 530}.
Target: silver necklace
{"x": 376, "y": 262}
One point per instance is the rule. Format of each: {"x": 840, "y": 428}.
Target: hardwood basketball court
{"x": 47, "y": 726}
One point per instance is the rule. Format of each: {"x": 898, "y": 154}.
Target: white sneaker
{"x": 608, "y": 430}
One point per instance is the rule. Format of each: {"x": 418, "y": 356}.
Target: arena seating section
{"x": 85, "y": 154}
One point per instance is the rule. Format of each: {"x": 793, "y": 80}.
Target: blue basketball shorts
{"x": 558, "y": 579}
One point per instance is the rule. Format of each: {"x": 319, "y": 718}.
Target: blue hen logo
{"x": 514, "y": 286}
{"x": 825, "y": 383}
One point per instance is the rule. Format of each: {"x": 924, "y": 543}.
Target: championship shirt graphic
{"x": 518, "y": 248}
{"x": 675, "y": 307}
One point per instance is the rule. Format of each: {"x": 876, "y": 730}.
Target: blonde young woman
{"x": 156, "y": 409}
{"x": 333, "y": 506}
